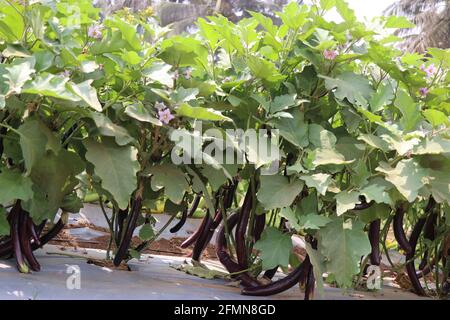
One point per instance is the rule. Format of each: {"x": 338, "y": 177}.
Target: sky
{"x": 365, "y": 8}
{"x": 369, "y": 8}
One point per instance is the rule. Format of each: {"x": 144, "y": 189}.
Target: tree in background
{"x": 432, "y": 18}
{"x": 183, "y": 13}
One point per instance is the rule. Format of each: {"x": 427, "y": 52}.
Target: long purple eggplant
{"x": 131, "y": 226}
{"x": 299, "y": 274}
{"x": 399, "y": 232}
{"x": 180, "y": 223}
{"x": 241, "y": 229}
{"x": 226, "y": 260}
{"x": 374, "y": 238}
{"x": 410, "y": 267}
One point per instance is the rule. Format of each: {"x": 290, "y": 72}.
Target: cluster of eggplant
{"x": 26, "y": 237}
{"x": 425, "y": 226}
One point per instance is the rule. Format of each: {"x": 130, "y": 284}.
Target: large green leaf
{"x": 275, "y": 248}
{"x": 17, "y": 74}
{"x": 278, "y": 192}
{"x": 343, "y": 243}
{"x": 117, "y": 166}
{"x": 53, "y": 178}
{"x": 87, "y": 93}
{"x": 35, "y": 140}
{"x": 320, "y": 181}
{"x": 13, "y": 185}
{"x": 353, "y": 87}
{"x": 264, "y": 70}
{"x": 107, "y": 128}
{"x": 411, "y": 115}
{"x": 346, "y": 200}
{"x": 294, "y": 129}
{"x": 407, "y": 177}
{"x": 52, "y": 86}
{"x": 172, "y": 179}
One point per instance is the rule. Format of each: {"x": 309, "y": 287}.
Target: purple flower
{"x": 330, "y": 54}
{"x": 188, "y": 73}
{"x": 430, "y": 70}
{"x": 66, "y": 73}
{"x": 165, "y": 116}
{"x": 95, "y": 31}
{"x": 424, "y": 91}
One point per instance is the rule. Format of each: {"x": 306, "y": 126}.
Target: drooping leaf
{"x": 320, "y": 181}
{"x": 172, "y": 179}
{"x": 117, "y": 166}
{"x": 275, "y": 248}
{"x": 346, "y": 200}
{"x": 343, "y": 243}
{"x": 35, "y": 140}
{"x": 353, "y": 87}
{"x": 407, "y": 177}
{"x": 13, "y": 185}
{"x": 294, "y": 129}
{"x": 278, "y": 192}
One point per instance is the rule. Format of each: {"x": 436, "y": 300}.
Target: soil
{"x": 161, "y": 246}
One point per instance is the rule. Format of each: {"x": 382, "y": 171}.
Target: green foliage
{"x": 356, "y": 118}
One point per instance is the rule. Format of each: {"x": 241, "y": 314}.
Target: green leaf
{"x": 107, "y": 128}
{"x": 159, "y": 72}
{"x": 275, "y": 248}
{"x": 35, "y": 140}
{"x": 172, "y": 179}
{"x": 200, "y": 113}
{"x": 439, "y": 182}
{"x": 320, "y": 137}
{"x": 407, "y": 177}
{"x": 278, "y": 192}
{"x": 139, "y": 112}
{"x": 346, "y": 200}
{"x": 382, "y": 97}
{"x": 436, "y": 145}
{"x": 398, "y": 23}
{"x": 184, "y": 95}
{"x": 328, "y": 156}
{"x": 374, "y": 141}
{"x": 146, "y": 232}
{"x": 294, "y": 129}
{"x": 87, "y": 93}
{"x": 53, "y": 178}
{"x": 264, "y": 69}
{"x": 117, "y": 166}
{"x": 377, "y": 191}
{"x": 48, "y": 85}
{"x": 353, "y": 87}
{"x": 294, "y": 15}
{"x": 13, "y": 185}
{"x": 318, "y": 263}
{"x": 436, "y": 118}
{"x": 17, "y": 74}
{"x": 411, "y": 115}
{"x": 4, "y": 224}
{"x": 313, "y": 221}
{"x": 320, "y": 181}
{"x": 343, "y": 243}
{"x": 283, "y": 102}
{"x": 292, "y": 217}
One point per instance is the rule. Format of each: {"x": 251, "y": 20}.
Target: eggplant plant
{"x": 358, "y": 132}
